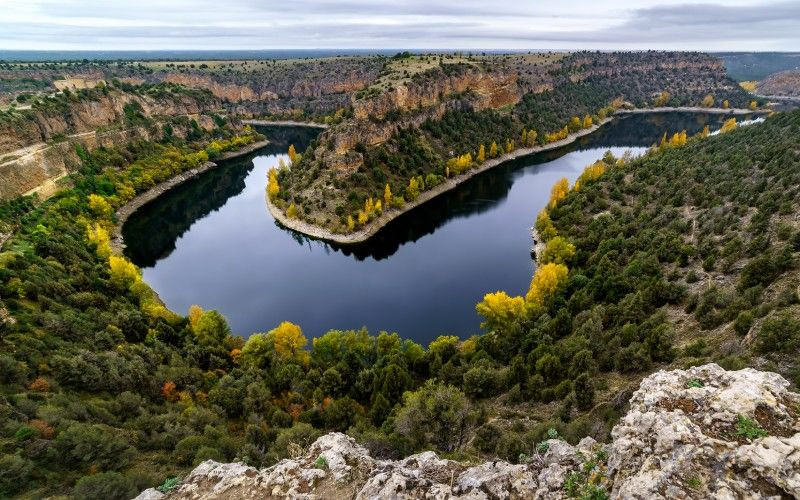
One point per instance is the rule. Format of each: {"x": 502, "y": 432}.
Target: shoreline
{"x": 378, "y": 223}
{"x": 128, "y": 209}
{"x": 285, "y": 123}
{"x": 692, "y": 109}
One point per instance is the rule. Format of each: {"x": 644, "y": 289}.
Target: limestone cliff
{"x": 698, "y": 433}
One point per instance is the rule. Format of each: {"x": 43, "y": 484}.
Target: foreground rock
{"x": 698, "y": 433}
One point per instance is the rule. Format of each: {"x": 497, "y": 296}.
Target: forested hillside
{"x": 412, "y": 135}
{"x": 686, "y": 255}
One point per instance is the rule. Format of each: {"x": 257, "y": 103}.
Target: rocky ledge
{"x": 698, "y": 433}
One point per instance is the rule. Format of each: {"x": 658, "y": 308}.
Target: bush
{"x": 15, "y": 473}
{"x": 743, "y": 323}
{"x": 105, "y": 486}
{"x": 780, "y": 332}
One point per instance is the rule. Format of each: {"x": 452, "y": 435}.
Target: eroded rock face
{"x": 684, "y": 437}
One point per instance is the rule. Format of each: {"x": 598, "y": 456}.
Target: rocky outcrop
{"x": 698, "y": 433}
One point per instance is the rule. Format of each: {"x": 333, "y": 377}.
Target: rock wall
{"x": 84, "y": 115}
{"x": 688, "y": 434}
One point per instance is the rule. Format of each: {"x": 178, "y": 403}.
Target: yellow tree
{"x": 587, "y": 121}
{"x": 412, "y": 191}
{"x": 99, "y": 236}
{"x": 753, "y": 105}
{"x": 726, "y": 104}
{"x": 387, "y": 195}
{"x": 378, "y": 206}
{"x": 559, "y": 191}
{"x": 500, "y": 311}
{"x": 524, "y": 138}
{"x": 481, "y": 154}
{"x": 493, "y": 150}
{"x": 351, "y": 224}
{"x": 292, "y": 153}
{"x": 708, "y": 100}
{"x": 532, "y": 134}
{"x": 123, "y": 273}
{"x": 272, "y": 184}
{"x": 547, "y": 281}
{"x": 729, "y": 125}
{"x": 574, "y": 123}
{"x": 661, "y": 99}
{"x": 557, "y": 250}
{"x": 195, "y": 312}
{"x": 99, "y": 207}
{"x": 291, "y": 212}
{"x": 705, "y": 132}
{"x": 369, "y": 206}
{"x": 509, "y": 145}
{"x": 544, "y": 226}
{"x": 362, "y": 218}
{"x": 288, "y": 340}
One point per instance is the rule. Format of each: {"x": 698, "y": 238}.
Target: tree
{"x": 291, "y": 212}
{"x": 729, "y": 125}
{"x": 574, "y": 124}
{"x": 272, "y": 184}
{"x": 292, "y": 154}
{"x": 532, "y": 135}
{"x": 547, "y": 281}
{"x": 544, "y": 226}
{"x": 387, "y": 195}
{"x": 587, "y": 121}
{"x": 99, "y": 207}
{"x": 559, "y": 191}
{"x": 123, "y": 273}
{"x": 493, "y": 150}
{"x": 212, "y": 329}
{"x": 726, "y": 104}
{"x": 481, "y": 154}
{"x": 708, "y": 101}
{"x": 662, "y": 99}
{"x": 362, "y": 218}
{"x": 780, "y": 332}
{"x": 584, "y": 392}
{"x": 557, "y": 250}
{"x": 105, "y": 486}
{"x": 288, "y": 340}
{"x": 435, "y": 414}
{"x": 753, "y": 105}
{"x": 412, "y": 191}
{"x": 351, "y": 224}
{"x": 500, "y": 310}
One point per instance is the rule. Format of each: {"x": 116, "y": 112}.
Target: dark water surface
{"x": 212, "y": 242}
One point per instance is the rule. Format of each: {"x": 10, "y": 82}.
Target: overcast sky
{"x": 378, "y": 24}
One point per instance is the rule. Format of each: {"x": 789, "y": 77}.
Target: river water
{"x": 212, "y": 242}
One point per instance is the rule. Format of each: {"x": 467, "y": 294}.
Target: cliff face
{"x": 85, "y": 115}
{"x": 698, "y": 433}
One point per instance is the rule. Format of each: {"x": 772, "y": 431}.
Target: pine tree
{"x": 493, "y": 150}
{"x": 387, "y": 195}
{"x": 292, "y": 153}
{"x": 481, "y": 154}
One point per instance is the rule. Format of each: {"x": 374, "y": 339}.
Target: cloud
{"x": 253, "y": 24}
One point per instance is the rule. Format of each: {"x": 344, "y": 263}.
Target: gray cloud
{"x": 206, "y": 24}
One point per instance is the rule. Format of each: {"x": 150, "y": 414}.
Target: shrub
{"x": 104, "y": 486}
{"x": 780, "y": 332}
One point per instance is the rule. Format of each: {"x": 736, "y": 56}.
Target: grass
{"x": 749, "y": 428}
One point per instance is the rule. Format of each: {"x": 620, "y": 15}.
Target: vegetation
{"x": 104, "y": 392}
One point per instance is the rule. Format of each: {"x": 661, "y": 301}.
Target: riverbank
{"x": 125, "y": 211}
{"x": 693, "y": 109}
{"x": 285, "y": 123}
{"x": 376, "y": 224}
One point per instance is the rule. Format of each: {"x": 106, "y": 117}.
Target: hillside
{"x": 689, "y": 414}
{"x": 685, "y": 256}
{"x": 785, "y": 83}
{"x": 444, "y": 119}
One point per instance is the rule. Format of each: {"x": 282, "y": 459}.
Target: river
{"x": 212, "y": 242}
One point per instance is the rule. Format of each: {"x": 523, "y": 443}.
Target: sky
{"x": 733, "y": 25}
